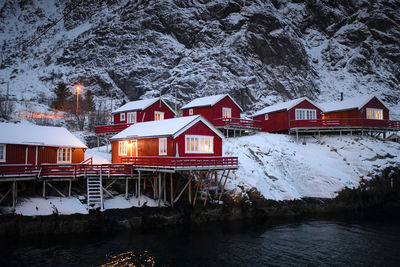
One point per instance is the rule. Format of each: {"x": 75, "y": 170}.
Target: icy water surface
{"x": 312, "y": 243}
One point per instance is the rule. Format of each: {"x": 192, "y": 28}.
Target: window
{"x": 374, "y": 114}
{"x": 162, "y": 146}
{"x": 158, "y": 115}
{"x": 123, "y": 148}
{"x": 122, "y": 116}
{"x": 226, "y": 113}
{"x": 199, "y": 144}
{"x": 131, "y": 117}
{"x": 191, "y": 111}
{"x": 2, "y": 153}
{"x": 64, "y": 155}
{"x": 266, "y": 117}
{"x": 306, "y": 114}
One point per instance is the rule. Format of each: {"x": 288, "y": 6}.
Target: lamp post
{"x": 77, "y": 89}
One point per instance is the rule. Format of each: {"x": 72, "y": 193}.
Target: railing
{"x": 18, "y": 170}
{"x": 182, "y": 162}
{"x": 395, "y": 125}
{"x": 245, "y": 123}
{"x": 65, "y": 170}
{"x": 87, "y": 161}
{"x": 112, "y": 128}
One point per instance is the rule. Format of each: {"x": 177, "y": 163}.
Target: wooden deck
{"x": 343, "y": 124}
{"x": 111, "y": 129}
{"x": 237, "y": 123}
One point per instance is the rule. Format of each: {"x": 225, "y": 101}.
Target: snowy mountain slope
{"x": 281, "y": 169}
{"x": 261, "y": 52}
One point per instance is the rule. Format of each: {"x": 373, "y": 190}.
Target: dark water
{"x": 314, "y": 243}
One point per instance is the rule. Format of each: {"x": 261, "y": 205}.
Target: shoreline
{"x": 377, "y": 197}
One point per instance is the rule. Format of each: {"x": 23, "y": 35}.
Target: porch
{"x": 236, "y": 125}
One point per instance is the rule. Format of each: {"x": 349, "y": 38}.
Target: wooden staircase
{"x": 95, "y": 192}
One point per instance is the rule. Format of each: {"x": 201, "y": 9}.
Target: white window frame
{"x": 226, "y": 113}
{"x": 123, "y": 148}
{"x": 198, "y": 139}
{"x": 60, "y": 154}
{"x": 190, "y": 111}
{"x": 122, "y": 117}
{"x": 131, "y": 117}
{"x": 376, "y": 111}
{"x": 158, "y": 113}
{"x": 4, "y": 146}
{"x": 266, "y": 117}
{"x": 162, "y": 146}
{"x": 305, "y": 114}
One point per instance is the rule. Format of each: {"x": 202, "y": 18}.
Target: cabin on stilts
{"x": 152, "y": 109}
{"x": 187, "y": 147}
{"x": 223, "y": 112}
{"x": 26, "y": 150}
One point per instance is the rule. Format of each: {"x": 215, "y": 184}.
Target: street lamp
{"x": 77, "y": 89}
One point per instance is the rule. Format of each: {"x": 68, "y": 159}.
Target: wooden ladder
{"x": 95, "y": 192}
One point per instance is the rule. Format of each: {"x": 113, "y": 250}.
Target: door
{"x": 133, "y": 148}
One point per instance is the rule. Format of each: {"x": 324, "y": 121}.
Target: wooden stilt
{"x": 154, "y": 188}
{"x": 5, "y": 195}
{"x": 190, "y": 187}
{"x": 139, "y": 188}
{"x": 69, "y": 187}
{"x": 13, "y": 196}
{"x": 44, "y": 189}
{"x": 216, "y": 183}
{"x": 222, "y": 190}
{"x": 172, "y": 189}
{"x": 184, "y": 188}
{"x": 98, "y": 143}
{"x": 126, "y": 188}
{"x": 208, "y": 188}
{"x": 165, "y": 188}
{"x": 159, "y": 190}
{"x": 55, "y": 189}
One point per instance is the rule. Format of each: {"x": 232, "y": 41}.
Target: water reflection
{"x": 131, "y": 258}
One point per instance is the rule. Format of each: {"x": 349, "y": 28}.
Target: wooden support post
{"x": 222, "y": 190}
{"x": 297, "y": 136}
{"x": 13, "y": 195}
{"x": 172, "y": 189}
{"x": 154, "y": 188}
{"x": 69, "y": 187}
{"x": 126, "y": 188}
{"x": 208, "y": 187}
{"x": 159, "y": 190}
{"x": 139, "y": 189}
{"x": 165, "y": 188}
{"x": 216, "y": 183}
{"x": 44, "y": 189}
{"x": 190, "y": 187}
{"x": 98, "y": 143}
{"x": 55, "y": 189}
{"x": 5, "y": 195}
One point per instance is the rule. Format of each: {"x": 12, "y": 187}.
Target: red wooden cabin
{"x": 185, "y": 137}
{"x": 287, "y": 115}
{"x": 32, "y": 144}
{"x": 137, "y": 111}
{"x": 221, "y": 110}
{"x": 363, "y": 111}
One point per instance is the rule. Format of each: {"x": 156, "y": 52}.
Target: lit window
{"x": 2, "y": 153}
{"x": 123, "y": 148}
{"x": 64, "y": 155}
{"x": 191, "y": 111}
{"x": 306, "y": 114}
{"x": 374, "y": 114}
{"x": 162, "y": 146}
{"x": 131, "y": 117}
{"x": 226, "y": 113}
{"x": 266, "y": 117}
{"x": 199, "y": 144}
{"x": 158, "y": 115}
{"x": 122, "y": 116}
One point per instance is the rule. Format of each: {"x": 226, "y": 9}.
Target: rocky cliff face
{"x": 260, "y": 52}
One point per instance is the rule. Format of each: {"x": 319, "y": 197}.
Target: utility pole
{"x": 7, "y": 103}
{"x": 176, "y": 101}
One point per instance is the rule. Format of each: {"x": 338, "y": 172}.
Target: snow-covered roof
{"x": 283, "y": 106}
{"x": 29, "y": 134}
{"x": 170, "y": 127}
{"x": 208, "y": 101}
{"x": 140, "y": 105}
{"x": 349, "y": 103}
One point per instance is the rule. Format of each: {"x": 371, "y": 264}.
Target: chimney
{"x": 341, "y": 96}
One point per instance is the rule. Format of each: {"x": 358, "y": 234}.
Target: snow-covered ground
{"x": 100, "y": 155}
{"x": 281, "y": 169}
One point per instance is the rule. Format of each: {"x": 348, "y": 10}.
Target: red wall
{"x": 279, "y": 121}
{"x": 198, "y": 129}
{"x": 148, "y": 113}
{"x": 358, "y": 114}
{"x": 16, "y": 154}
{"x": 215, "y": 112}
